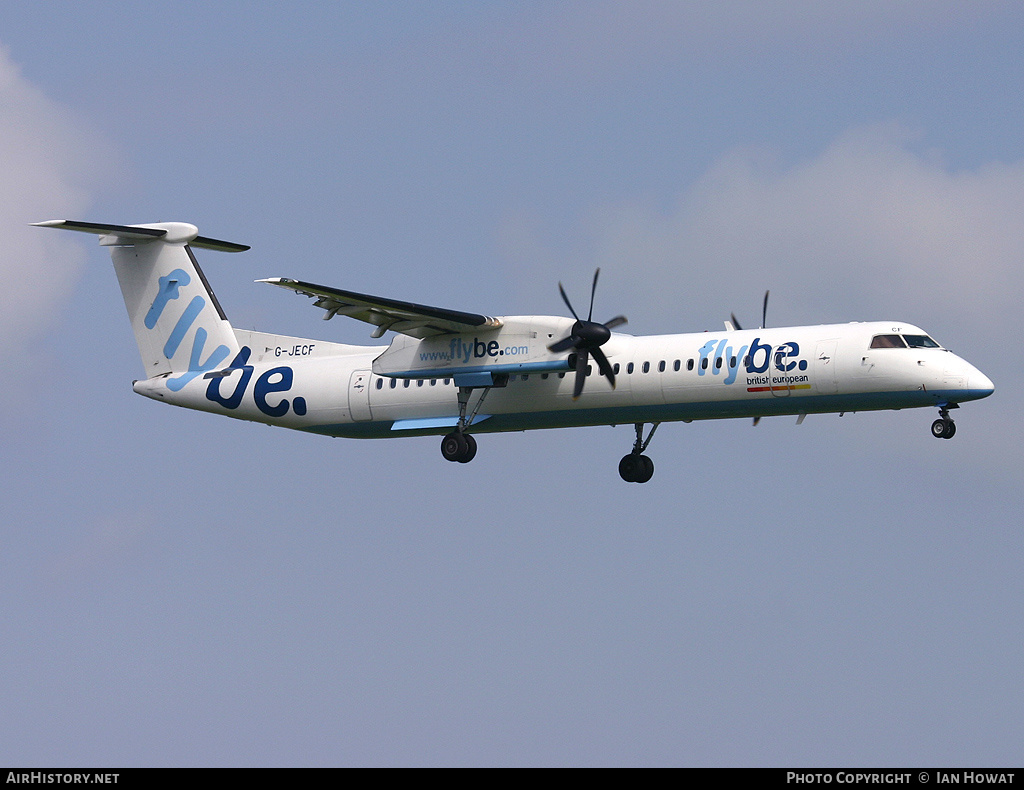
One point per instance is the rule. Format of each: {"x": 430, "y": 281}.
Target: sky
{"x": 182, "y": 589}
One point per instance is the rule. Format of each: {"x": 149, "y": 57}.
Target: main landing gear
{"x": 944, "y": 427}
{"x": 637, "y": 467}
{"x": 459, "y": 446}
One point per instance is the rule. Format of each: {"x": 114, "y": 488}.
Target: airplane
{"x": 458, "y": 374}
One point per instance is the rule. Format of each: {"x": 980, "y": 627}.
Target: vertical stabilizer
{"x": 179, "y": 326}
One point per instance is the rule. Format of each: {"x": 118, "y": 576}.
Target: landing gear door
{"x": 359, "y": 395}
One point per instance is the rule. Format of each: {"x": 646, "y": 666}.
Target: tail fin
{"x": 179, "y": 325}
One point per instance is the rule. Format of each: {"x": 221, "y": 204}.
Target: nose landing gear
{"x": 944, "y": 427}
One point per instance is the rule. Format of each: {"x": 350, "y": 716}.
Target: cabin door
{"x": 359, "y": 395}
{"x": 825, "y": 367}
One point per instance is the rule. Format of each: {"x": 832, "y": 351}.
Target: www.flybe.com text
{"x": 463, "y": 351}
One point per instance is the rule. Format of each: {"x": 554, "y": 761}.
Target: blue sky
{"x": 186, "y": 590}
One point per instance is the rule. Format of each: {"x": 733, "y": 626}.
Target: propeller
{"x": 585, "y": 339}
{"x": 764, "y": 314}
{"x": 764, "y": 321}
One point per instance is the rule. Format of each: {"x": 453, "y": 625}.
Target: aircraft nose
{"x": 980, "y": 385}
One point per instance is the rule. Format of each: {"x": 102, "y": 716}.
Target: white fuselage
{"x": 342, "y": 390}
{"x": 455, "y": 373}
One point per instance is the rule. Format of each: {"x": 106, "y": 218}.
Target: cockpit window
{"x": 887, "y": 341}
{"x": 920, "y": 341}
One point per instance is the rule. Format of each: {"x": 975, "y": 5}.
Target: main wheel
{"x": 629, "y": 468}
{"x": 939, "y": 429}
{"x": 454, "y": 446}
{"x": 470, "y": 452}
{"x": 950, "y": 430}
{"x": 646, "y": 471}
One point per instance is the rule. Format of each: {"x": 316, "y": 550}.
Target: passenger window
{"x": 689, "y": 364}
{"x": 629, "y": 368}
{"x": 661, "y": 366}
{"x": 676, "y": 365}
{"x": 433, "y": 382}
{"x": 732, "y": 362}
{"x": 394, "y": 383}
{"x": 718, "y": 363}
{"x": 419, "y": 382}
{"x": 380, "y": 383}
{"x": 647, "y": 367}
{"x": 887, "y": 341}
{"x": 406, "y": 383}
{"x": 615, "y": 368}
{"x": 704, "y": 364}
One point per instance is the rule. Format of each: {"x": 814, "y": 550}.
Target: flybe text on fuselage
{"x": 763, "y": 363}
{"x": 463, "y": 350}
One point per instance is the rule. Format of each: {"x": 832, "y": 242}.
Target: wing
{"x": 415, "y": 320}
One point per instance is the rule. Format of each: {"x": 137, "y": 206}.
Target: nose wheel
{"x": 944, "y": 427}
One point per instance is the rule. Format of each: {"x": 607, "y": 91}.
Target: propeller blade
{"x": 568, "y": 304}
{"x": 764, "y": 311}
{"x": 564, "y": 344}
{"x": 735, "y": 323}
{"x": 602, "y": 364}
{"x": 586, "y": 338}
{"x": 593, "y": 290}
{"x": 582, "y": 360}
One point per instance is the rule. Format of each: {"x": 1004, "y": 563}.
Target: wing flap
{"x": 407, "y": 318}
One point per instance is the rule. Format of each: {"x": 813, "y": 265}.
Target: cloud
{"x": 868, "y": 228}
{"x": 48, "y": 163}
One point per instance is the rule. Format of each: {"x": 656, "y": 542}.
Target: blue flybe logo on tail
{"x": 167, "y": 291}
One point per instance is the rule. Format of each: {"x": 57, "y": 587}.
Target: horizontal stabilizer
{"x": 168, "y": 231}
{"x": 124, "y": 231}
{"x": 216, "y": 244}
